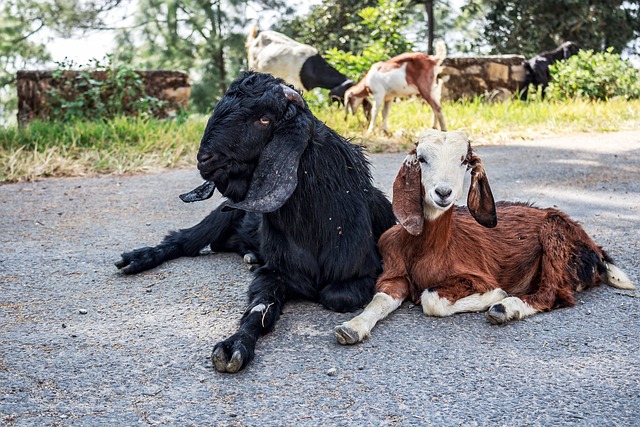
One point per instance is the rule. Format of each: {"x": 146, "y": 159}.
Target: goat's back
{"x": 508, "y": 256}
{"x": 274, "y": 53}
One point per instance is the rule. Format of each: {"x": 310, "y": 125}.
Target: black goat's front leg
{"x": 214, "y": 229}
{"x": 266, "y": 296}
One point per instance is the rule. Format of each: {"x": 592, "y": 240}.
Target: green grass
{"x": 119, "y": 146}
{"x": 136, "y": 145}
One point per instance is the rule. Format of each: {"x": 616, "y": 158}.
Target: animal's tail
{"x": 441, "y": 51}
{"x": 618, "y": 278}
{"x": 615, "y": 277}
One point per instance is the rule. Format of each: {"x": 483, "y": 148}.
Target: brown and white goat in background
{"x": 510, "y": 258}
{"x": 402, "y": 76}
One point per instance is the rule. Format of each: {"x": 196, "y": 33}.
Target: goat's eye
{"x": 264, "y": 121}
{"x": 422, "y": 159}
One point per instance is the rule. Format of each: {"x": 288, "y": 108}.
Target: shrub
{"x": 98, "y": 91}
{"x": 596, "y": 76}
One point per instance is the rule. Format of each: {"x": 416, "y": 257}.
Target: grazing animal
{"x": 298, "y": 64}
{"x": 510, "y": 258}
{"x": 300, "y": 197}
{"x": 537, "y": 68}
{"x": 408, "y": 74}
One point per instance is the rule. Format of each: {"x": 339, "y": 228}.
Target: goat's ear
{"x": 480, "y": 199}
{"x": 367, "y": 107}
{"x": 407, "y": 195}
{"x": 276, "y": 175}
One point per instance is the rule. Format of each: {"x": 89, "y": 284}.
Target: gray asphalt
{"x": 83, "y": 345}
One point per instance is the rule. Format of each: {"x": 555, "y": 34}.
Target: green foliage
{"x": 330, "y": 25}
{"x": 97, "y": 92}
{"x": 595, "y": 76}
{"x": 529, "y": 27}
{"x": 384, "y": 24}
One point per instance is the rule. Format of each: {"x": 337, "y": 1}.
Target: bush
{"x": 99, "y": 91}
{"x": 596, "y": 76}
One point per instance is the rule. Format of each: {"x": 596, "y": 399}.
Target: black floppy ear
{"x": 480, "y": 199}
{"x": 276, "y": 175}
{"x": 407, "y": 195}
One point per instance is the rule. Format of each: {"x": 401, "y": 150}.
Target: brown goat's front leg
{"x": 390, "y": 296}
{"x": 459, "y": 295}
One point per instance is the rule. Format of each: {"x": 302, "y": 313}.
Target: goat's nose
{"x": 443, "y": 192}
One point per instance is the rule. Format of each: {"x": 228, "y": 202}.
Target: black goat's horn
{"x": 292, "y": 95}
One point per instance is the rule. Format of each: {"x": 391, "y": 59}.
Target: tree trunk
{"x": 220, "y": 54}
{"x": 428, "y": 6}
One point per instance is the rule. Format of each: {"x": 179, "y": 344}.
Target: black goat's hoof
{"x": 224, "y": 364}
{"x": 250, "y": 258}
{"x": 230, "y": 356}
{"x": 346, "y": 335}
{"x": 137, "y": 261}
{"x": 497, "y": 314}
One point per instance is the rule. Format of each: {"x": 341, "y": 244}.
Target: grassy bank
{"x": 129, "y": 145}
{"x": 498, "y": 123}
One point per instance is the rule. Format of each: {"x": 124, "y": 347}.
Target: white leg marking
{"x": 259, "y": 307}
{"x": 508, "y": 309}
{"x": 433, "y": 305}
{"x": 358, "y": 328}
{"x": 479, "y": 302}
{"x": 617, "y": 278}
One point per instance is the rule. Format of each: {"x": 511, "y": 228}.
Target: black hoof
{"x": 250, "y": 258}
{"x": 230, "y": 356}
{"x": 138, "y": 260}
{"x": 346, "y": 335}
{"x": 497, "y": 314}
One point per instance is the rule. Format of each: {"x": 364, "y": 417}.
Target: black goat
{"x": 537, "y": 68}
{"x": 300, "y": 197}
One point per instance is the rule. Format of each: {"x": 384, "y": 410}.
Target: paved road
{"x": 82, "y": 345}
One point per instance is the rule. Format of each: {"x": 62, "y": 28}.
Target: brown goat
{"x": 510, "y": 258}
{"x": 408, "y": 74}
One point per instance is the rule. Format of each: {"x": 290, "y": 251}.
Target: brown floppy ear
{"x": 480, "y": 199}
{"x": 407, "y": 195}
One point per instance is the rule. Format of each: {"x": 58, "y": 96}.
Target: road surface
{"x": 83, "y": 345}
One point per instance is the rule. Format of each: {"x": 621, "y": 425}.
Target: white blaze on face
{"x": 442, "y": 163}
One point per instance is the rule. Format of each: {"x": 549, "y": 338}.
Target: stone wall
{"x": 170, "y": 86}
{"x": 494, "y": 77}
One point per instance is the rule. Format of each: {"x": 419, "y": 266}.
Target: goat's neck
{"x": 437, "y": 231}
{"x": 360, "y": 89}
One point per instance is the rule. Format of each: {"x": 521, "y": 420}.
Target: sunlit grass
{"x": 137, "y": 145}
{"x": 490, "y": 123}
{"x": 120, "y": 146}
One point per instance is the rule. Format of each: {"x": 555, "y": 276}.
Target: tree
{"x": 332, "y": 24}
{"x": 384, "y": 26}
{"x": 204, "y": 37}
{"x": 529, "y": 27}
